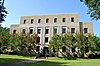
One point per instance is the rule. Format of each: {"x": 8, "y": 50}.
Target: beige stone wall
{"x": 51, "y": 17}
{"x": 88, "y": 25}
{"x": 79, "y": 26}
{"x": 14, "y": 27}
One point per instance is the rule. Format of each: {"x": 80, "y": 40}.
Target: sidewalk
{"x": 23, "y": 63}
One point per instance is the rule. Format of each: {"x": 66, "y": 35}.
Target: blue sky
{"x": 17, "y": 8}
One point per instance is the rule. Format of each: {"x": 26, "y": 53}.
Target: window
{"x": 47, "y": 20}
{"x": 72, "y": 30}
{"x": 55, "y": 30}
{"x": 63, "y": 19}
{"x": 32, "y": 21}
{"x": 55, "y": 20}
{"x": 46, "y": 31}
{"x": 14, "y": 31}
{"x": 85, "y": 30}
{"x": 31, "y": 30}
{"x": 63, "y": 49}
{"x": 73, "y": 49}
{"x": 46, "y": 39}
{"x": 24, "y": 21}
{"x": 39, "y": 31}
{"x": 39, "y": 20}
{"x": 24, "y": 30}
{"x": 38, "y": 40}
{"x": 63, "y": 30}
{"x": 72, "y": 19}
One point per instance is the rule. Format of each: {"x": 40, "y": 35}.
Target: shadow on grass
{"x": 49, "y": 63}
{"x": 9, "y": 60}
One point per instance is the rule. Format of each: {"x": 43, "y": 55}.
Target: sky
{"x": 18, "y": 8}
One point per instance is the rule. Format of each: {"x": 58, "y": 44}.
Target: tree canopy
{"x": 3, "y": 12}
{"x": 93, "y": 8}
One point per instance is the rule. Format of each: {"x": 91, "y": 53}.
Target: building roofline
{"x": 51, "y": 14}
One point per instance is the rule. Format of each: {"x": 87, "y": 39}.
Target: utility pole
{"x": 2, "y": 5}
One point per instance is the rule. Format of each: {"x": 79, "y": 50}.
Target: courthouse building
{"x": 48, "y": 25}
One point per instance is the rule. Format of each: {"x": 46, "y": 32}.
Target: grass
{"x": 51, "y": 61}
{"x": 62, "y": 62}
{"x": 4, "y": 59}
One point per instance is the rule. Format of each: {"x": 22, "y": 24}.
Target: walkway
{"x": 23, "y": 63}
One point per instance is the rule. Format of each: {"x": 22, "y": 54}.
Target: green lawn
{"x": 12, "y": 58}
{"x": 62, "y": 62}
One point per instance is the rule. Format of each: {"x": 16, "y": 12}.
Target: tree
{"x": 93, "y": 8}
{"x": 55, "y": 43}
{"x": 4, "y": 38}
{"x": 3, "y": 12}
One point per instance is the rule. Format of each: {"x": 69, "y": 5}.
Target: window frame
{"x": 39, "y": 20}
{"x": 46, "y": 41}
{"x": 32, "y": 20}
{"x": 63, "y": 19}
{"x": 24, "y": 31}
{"x": 47, "y": 20}
{"x": 24, "y": 21}
{"x": 72, "y": 19}
{"x": 72, "y": 30}
{"x": 63, "y": 27}
{"x": 55, "y": 20}
{"x": 39, "y": 32}
{"x": 86, "y": 30}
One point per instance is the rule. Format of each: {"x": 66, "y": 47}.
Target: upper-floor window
{"x": 85, "y": 30}
{"x": 39, "y": 20}
{"x": 14, "y": 31}
{"x": 72, "y": 30}
{"x": 46, "y": 31}
{"x": 55, "y": 30}
{"x": 39, "y": 31}
{"x": 24, "y": 21}
{"x": 24, "y": 31}
{"x": 63, "y": 30}
{"x": 47, "y": 20}
{"x": 63, "y": 19}
{"x": 31, "y": 30}
{"x": 55, "y": 20}
{"x": 32, "y": 21}
{"x": 72, "y": 19}
{"x": 46, "y": 39}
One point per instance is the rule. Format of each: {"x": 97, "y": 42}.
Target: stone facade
{"x": 47, "y": 25}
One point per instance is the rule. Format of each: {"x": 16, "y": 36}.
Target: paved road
{"x": 23, "y": 63}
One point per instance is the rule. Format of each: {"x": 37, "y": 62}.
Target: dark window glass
{"x": 14, "y": 31}
{"x": 31, "y": 31}
{"x": 39, "y": 31}
{"x": 39, "y": 20}
{"x": 24, "y": 30}
{"x": 55, "y": 30}
{"x": 46, "y": 39}
{"x": 85, "y": 30}
{"x": 73, "y": 49}
{"x": 72, "y": 19}
{"x": 46, "y": 31}
{"x": 55, "y": 20}
{"x": 45, "y": 50}
{"x": 24, "y": 21}
{"x": 63, "y": 30}
{"x": 32, "y": 21}
{"x": 47, "y": 20}
{"x": 72, "y": 30}
{"x": 63, "y": 20}
{"x": 63, "y": 49}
